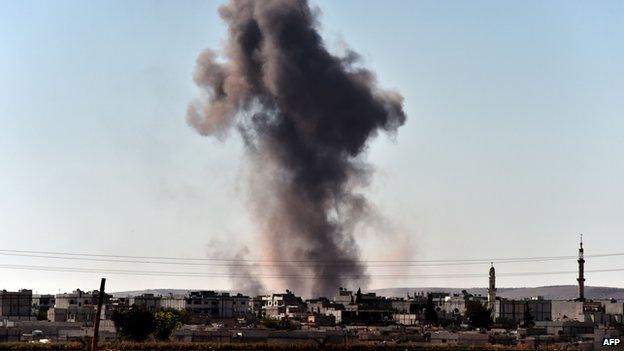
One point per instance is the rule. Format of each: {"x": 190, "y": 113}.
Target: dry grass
{"x": 205, "y": 346}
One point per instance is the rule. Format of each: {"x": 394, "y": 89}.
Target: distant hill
{"x": 556, "y": 292}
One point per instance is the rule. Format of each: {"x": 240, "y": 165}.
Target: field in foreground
{"x": 182, "y": 346}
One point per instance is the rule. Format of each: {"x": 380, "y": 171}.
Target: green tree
{"x": 431, "y": 316}
{"x": 136, "y": 323}
{"x": 477, "y": 315}
{"x": 528, "y": 319}
{"x": 165, "y": 323}
{"x": 185, "y": 316}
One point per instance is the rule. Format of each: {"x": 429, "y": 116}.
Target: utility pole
{"x": 98, "y": 314}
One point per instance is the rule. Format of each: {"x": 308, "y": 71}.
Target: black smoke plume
{"x": 306, "y": 117}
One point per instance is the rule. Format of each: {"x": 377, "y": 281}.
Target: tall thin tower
{"x": 581, "y": 273}
{"x": 492, "y": 289}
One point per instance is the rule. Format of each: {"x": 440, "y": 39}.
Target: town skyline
{"x": 347, "y": 316}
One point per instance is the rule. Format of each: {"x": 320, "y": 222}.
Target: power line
{"x": 280, "y": 264}
{"x": 282, "y": 276}
{"x": 254, "y": 261}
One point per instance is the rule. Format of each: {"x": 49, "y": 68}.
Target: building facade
{"x": 16, "y": 305}
{"x": 177, "y": 302}
{"x": 514, "y": 310}
{"x": 78, "y": 306}
{"x": 280, "y": 306}
{"x": 210, "y": 304}
{"x": 150, "y": 302}
{"x": 42, "y": 303}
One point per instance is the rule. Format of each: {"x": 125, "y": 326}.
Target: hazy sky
{"x": 513, "y": 143}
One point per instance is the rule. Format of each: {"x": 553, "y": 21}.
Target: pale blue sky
{"x": 513, "y": 144}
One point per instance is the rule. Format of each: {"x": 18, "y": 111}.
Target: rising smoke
{"x": 306, "y": 117}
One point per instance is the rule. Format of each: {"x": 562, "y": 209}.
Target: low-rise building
{"x": 438, "y": 298}
{"x": 74, "y": 314}
{"x": 41, "y": 304}
{"x": 281, "y": 306}
{"x": 514, "y": 310}
{"x": 614, "y": 308}
{"x": 240, "y": 305}
{"x": 255, "y": 305}
{"x": 568, "y": 310}
{"x": 406, "y": 318}
{"x": 79, "y": 307}
{"x": 177, "y": 302}
{"x": 119, "y": 303}
{"x": 210, "y": 304}
{"x": 16, "y": 305}
{"x": 76, "y": 298}
{"x": 454, "y": 304}
{"x": 150, "y": 302}
{"x": 344, "y": 296}
{"x": 566, "y": 327}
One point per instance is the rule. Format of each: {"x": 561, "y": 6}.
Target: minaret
{"x": 492, "y": 288}
{"x": 581, "y": 275}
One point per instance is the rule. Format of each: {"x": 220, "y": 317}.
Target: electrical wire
{"x": 282, "y": 276}
{"x": 282, "y": 264}
{"x": 91, "y": 256}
